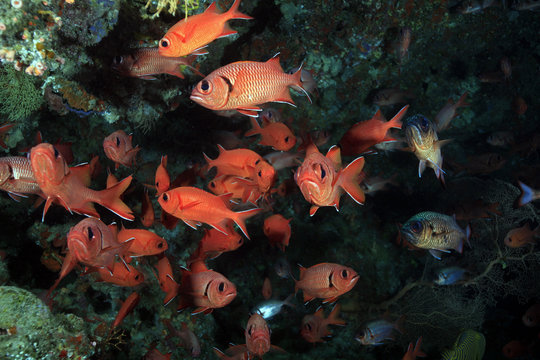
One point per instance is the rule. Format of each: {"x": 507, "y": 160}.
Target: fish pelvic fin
{"x": 349, "y": 180}
{"x": 110, "y": 198}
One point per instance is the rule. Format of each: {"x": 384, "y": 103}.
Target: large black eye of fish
{"x": 213, "y": 184}
{"x": 118, "y": 60}
{"x": 258, "y": 161}
{"x": 286, "y": 139}
{"x": 424, "y": 124}
{"x": 344, "y": 274}
{"x": 165, "y": 197}
{"x": 90, "y": 234}
{"x": 160, "y": 245}
{"x": 136, "y": 277}
{"x": 164, "y": 43}
{"x": 206, "y": 87}
{"x": 323, "y": 173}
{"x": 56, "y": 153}
{"x": 307, "y": 326}
{"x": 259, "y": 173}
{"x": 117, "y": 141}
{"x": 240, "y": 241}
{"x": 416, "y": 226}
{"x": 249, "y": 331}
{"x": 221, "y": 287}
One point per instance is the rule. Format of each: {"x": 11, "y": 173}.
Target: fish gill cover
{"x": 467, "y": 66}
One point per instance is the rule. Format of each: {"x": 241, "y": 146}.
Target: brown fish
{"x": 392, "y": 96}
{"x": 146, "y": 62}
{"x": 521, "y": 236}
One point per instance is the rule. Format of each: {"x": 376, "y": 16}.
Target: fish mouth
{"x": 195, "y": 98}
{"x": 409, "y": 236}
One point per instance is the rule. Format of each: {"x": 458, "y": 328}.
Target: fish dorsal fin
{"x": 334, "y": 155}
{"x": 274, "y": 62}
{"x": 302, "y": 271}
{"x": 212, "y": 8}
{"x": 312, "y": 148}
{"x": 379, "y": 116}
{"x": 198, "y": 266}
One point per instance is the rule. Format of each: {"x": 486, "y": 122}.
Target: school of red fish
{"x": 242, "y": 176}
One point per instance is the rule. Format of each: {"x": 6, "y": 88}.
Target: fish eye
{"x": 118, "y": 60}
{"x": 416, "y": 226}
{"x": 56, "y": 153}
{"x": 90, "y": 234}
{"x": 160, "y": 245}
{"x": 240, "y": 241}
{"x": 509, "y": 239}
{"x": 307, "y": 326}
{"x": 136, "y": 277}
{"x": 165, "y": 197}
{"x": 213, "y": 184}
{"x": 323, "y": 173}
{"x": 164, "y": 43}
{"x": 259, "y": 173}
{"x": 258, "y": 161}
{"x": 249, "y": 331}
{"x": 221, "y": 287}
{"x": 206, "y": 87}
{"x": 286, "y": 139}
{"x": 344, "y": 274}
{"x": 424, "y": 124}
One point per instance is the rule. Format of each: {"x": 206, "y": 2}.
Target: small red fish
{"x": 245, "y": 85}
{"x": 521, "y": 236}
{"x": 4, "y": 129}
{"x": 191, "y": 35}
{"x": 274, "y": 134}
{"x": 515, "y": 349}
{"x": 67, "y": 185}
{"x": 146, "y": 62}
{"x": 142, "y": 242}
{"x": 278, "y": 231}
{"x": 188, "y": 340}
{"x": 531, "y": 318}
{"x": 127, "y": 306}
{"x": 147, "y": 210}
{"x": 205, "y": 289}
{"x": 238, "y": 162}
{"x": 162, "y": 178}
{"x": 365, "y": 134}
{"x": 166, "y": 280}
{"x": 214, "y": 243}
{"x": 195, "y": 206}
{"x": 245, "y": 191}
{"x": 118, "y": 148}
{"x": 449, "y": 111}
{"x": 322, "y": 180}
{"x": 326, "y": 281}
{"x": 266, "y": 288}
{"x": 122, "y": 275}
{"x": 315, "y": 326}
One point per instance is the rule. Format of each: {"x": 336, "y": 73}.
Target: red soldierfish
{"x": 326, "y": 281}
{"x": 143, "y": 242}
{"x": 122, "y": 275}
{"x": 278, "y": 231}
{"x": 315, "y": 326}
{"x": 238, "y": 162}
{"x": 195, "y": 206}
{"x": 188, "y": 340}
{"x": 244, "y": 85}
{"x": 205, "y": 289}
{"x": 67, "y": 185}
{"x": 365, "y": 134}
{"x": 214, "y": 243}
{"x": 449, "y": 111}
{"x": 189, "y": 36}
{"x": 166, "y": 280}
{"x": 127, "y": 306}
{"x": 118, "y": 148}
{"x": 146, "y": 62}
{"x": 162, "y": 178}
{"x": 17, "y": 177}
{"x": 274, "y": 134}
{"x": 322, "y": 180}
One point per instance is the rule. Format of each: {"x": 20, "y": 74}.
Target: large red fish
{"x": 118, "y": 148}
{"x": 365, "y": 134}
{"x": 194, "y": 33}
{"x": 326, "y": 281}
{"x": 146, "y": 62}
{"x": 195, "y": 206}
{"x": 245, "y": 85}
{"x": 63, "y": 184}
{"x": 17, "y": 177}
{"x": 205, "y": 289}
{"x": 257, "y": 336}
{"x": 322, "y": 180}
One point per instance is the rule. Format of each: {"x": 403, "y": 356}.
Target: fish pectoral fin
{"x": 190, "y": 205}
{"x": 192, "y": 224}
{"x": 435, "y": 253}
{"x": 200, "y": 51}
{"x": 313, "y": 209}
{"x": 202, "y": 309}
{"x": 421, "y": 167}
{"x": 330, "y": 300}
{"x": 148, "y": 77}
{"x": 16, "y": 196}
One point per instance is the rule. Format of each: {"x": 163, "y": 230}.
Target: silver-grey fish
{"x": 449, "y": 275}
{"x": 435, "y": 232}
{"x": 425, "y": 144}
{"x": 271, "y": 308}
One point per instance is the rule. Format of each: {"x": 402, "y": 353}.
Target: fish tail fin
{"x": 233, "y": 12}
{"x": 526, "y": 194}
{"x": 417, "y": 351}
{"x": 333, "y": 318}
{"x": 110, "y": 198}
{"x": 288, "y": 301}
{"x": 349, "y": 179}
{"x": 256, "y": 127}
{"x": 395, "y": 122}
{"x": 463, "y": 100}
{"x": 298, "y": 85}
{"x": 241, "y": 216}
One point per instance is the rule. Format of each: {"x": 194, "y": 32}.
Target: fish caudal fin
{"x": 256, "y": 128}
{"x": 233, "y": 12}
{"x": 526, "y": 194}
{"x": 110, "y": 198}
{"x": 395, "y": 122}
{"x": 349, "y": 180}
{"x": 298, "y": 84}
{"x": 240, "y": 219}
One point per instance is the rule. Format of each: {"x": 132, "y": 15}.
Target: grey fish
{"x": 435, "y": 232}
{"x": 270, "y": 308}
